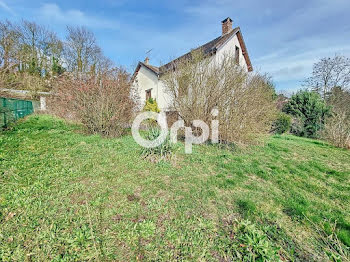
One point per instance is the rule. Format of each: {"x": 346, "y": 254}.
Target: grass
{"x": 66, "y": 196}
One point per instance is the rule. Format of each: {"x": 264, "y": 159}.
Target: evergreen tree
{"x": 309, "y": 111}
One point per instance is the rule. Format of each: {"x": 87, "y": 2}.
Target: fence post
{"x": 43, "y": 103}
{"x": 4, "y": 106}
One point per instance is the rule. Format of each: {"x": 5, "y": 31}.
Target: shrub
{"x": 151, "y": 105}
{"x": 337, "y": 127}
{"x": 282, "y": 124}
{"x": 6, "y": 117}
{"x": 104, "y": 104}
{"x": 252, "y": 244}
{"x": 297, "y": 127}
{"x": 244, "y": 101}
{"x": 309, "y": 112}
{"x": 162, "y": 151}
{"x": 24, "y": 81}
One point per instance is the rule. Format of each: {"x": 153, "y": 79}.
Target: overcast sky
{"x": 284, "y": 38}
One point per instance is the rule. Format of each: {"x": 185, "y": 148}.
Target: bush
{"x": 151, "y": 105}
{"x": 104, "y": 104}
{"x": 309, "y": 112}
{"x": 297, "y": 127}
{"x": 282, "y": 124}
{"x": 24, "y": 81}
{"x": 6, "y": 117}
{"x": 244, "y": 101}
{"x": 162, "y": 151}
{"x": 250, "y": 243}
{"x": 337, "y": 127}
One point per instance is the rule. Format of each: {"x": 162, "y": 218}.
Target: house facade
{"x": 147, "y": 78}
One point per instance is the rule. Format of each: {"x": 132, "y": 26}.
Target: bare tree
{"x": 245, "y": 101}
{"x": 38, "y": 48}
{"x": 9, "y": 43}
{"x": 103, "y": 64}
{"x": 329, "y": 73}
{"x": 30, "y": 53}
{"x": 82, "y": 52}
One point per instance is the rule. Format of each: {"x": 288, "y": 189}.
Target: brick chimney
{"x": 146, "y": 61}
{"x": 226, "y": 26}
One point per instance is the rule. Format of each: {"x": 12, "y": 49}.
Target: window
{"x": 237, "y": 55}
{"x": 148, "y": 94}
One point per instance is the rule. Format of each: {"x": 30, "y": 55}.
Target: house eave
{"x": 139, "y": 65}
{"x": 242, "y": 44}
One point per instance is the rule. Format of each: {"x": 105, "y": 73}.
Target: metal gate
{"x": 13, "y": 109}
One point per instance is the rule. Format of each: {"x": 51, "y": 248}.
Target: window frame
{"x": 237, "y": 55}
{"x": 148, "y": 94}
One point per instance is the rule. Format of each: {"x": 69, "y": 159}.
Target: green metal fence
{"x": 13, "y": 109}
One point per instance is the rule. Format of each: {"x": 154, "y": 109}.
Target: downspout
{"x": 158, "y": 89}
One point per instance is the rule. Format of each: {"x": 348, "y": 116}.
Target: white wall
{"x": 229, "y": 49}
{"x": 145, "y": 80}
{"x": 163, "y": 99}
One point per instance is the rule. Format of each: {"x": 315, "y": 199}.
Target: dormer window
{"x": 237, "y": 55}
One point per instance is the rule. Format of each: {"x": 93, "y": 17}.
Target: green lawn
{"x": 66, "y": 196}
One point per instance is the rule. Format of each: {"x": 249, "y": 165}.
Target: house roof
{"x": 153, "y": 69}
{"x": 209, "y": 48}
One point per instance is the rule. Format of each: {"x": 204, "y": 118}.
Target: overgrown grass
{"x": 162, "y": 152}
{"x": 67, "y": 196}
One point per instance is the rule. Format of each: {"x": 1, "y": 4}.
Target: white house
{"x": 147, "y": 78}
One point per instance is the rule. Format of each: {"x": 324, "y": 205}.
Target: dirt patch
{"x": 133, "y": 198}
